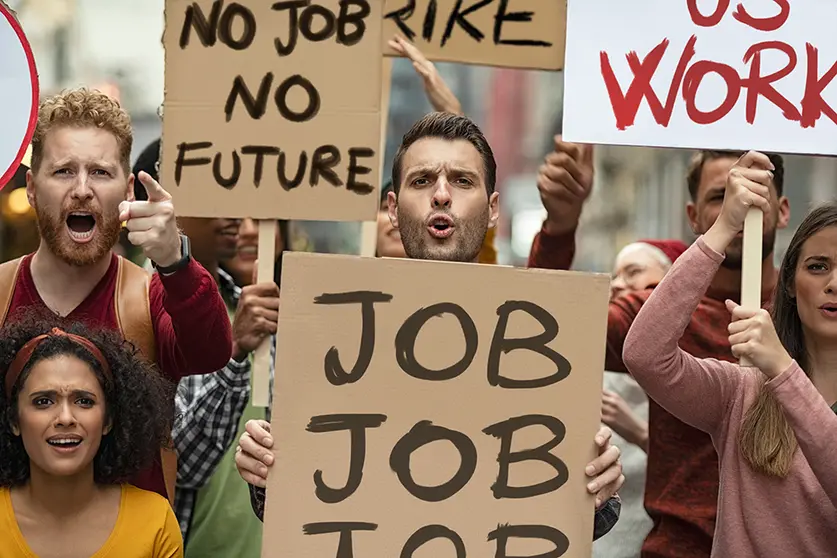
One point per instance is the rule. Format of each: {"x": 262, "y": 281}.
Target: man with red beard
{"x": 81, "y": 188}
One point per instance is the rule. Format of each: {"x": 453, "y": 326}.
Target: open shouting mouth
{"x": 440, "y": 226}
{"x": 81, "y": 225}
{"x": 65, "y": 443}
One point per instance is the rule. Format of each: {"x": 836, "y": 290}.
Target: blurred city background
{"x": 114, "y": 45}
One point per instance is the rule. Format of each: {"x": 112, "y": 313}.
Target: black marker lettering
{"x": 504, "y": 532}
{"x": 502, "y": 16}
{"x": 402, "y": 14}
{"x": 282, "y": 99}
{"x": 345, "y": 528}
{"x": 427, "y": 534}
{"x": 334, "y": 371}
{"x": 306, "y": 23}
{"x": 356, "y": 170}
{"x": 182, "y": 161}
{"x": 429, "y": 21}
{"x": 505, "y": 431}
{"x": 500, "y": 344}
{"x": 322, "y": 162}
{"x": 290, "y": 184}
{"x": 405, "y": 342}
{"x": 207, "y": 30}
{"x": 220, "y": 179}
{"x": 258, "y": 166}
{"x": 458, "y": 16}
{"x": 226, "y": 23}
{"x": 424, "y": 433}
{"x": 256, "y": 107}
{"x": 357, "y": 19}
{"x": 293, "y": 6}
{"x": 356, "y": 424}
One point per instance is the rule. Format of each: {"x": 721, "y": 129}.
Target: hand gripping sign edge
{"x": 8, "y": 173}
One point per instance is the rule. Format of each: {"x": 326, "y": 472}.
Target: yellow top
{"x": 145, "y": 528}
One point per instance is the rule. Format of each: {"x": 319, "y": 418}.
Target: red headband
{"x": 25, "y": 353}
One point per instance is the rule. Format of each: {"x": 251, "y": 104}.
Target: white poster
{"x": 756, "y": 74}
{"x": 18, "y": 94}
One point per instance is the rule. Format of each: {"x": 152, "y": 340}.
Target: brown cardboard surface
{"x": 199, "y": 81}
{"x": 472, "y": 37}
{"x": 467, "y": 403}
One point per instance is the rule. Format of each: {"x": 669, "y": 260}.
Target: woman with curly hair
{"x": 82, "y": 414}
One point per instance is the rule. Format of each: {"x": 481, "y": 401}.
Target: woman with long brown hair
{"x": 772, "y": 423}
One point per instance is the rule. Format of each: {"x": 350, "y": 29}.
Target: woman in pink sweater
{"x": 772, "y": 424}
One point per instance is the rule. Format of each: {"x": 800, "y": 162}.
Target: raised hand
{"x": 152, "y": 224}
{"x": 748, "y": 186}
{"x": 565, "y": 180}
{"x": 438, "y": 92}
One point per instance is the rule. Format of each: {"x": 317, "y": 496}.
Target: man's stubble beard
{"x": 471, "y": 235}
{"x": 735, "y": 251}
{"x": 52, "y": 229}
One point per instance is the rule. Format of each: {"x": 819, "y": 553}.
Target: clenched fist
{"x": 256, "y": 317}
{"x": 565, "y": 180}
{"x": 151, "y": 224}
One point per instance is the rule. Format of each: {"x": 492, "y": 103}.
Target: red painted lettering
{"x": 707, "y": 21}
{"x": 766, "y": 23}
{"x": 695, "y": 76}
{"x": 813, "y": 105}
{"x": 626, "y": 105}
{"x": 758, "y": 84}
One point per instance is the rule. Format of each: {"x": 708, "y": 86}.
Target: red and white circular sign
{"x": 18, "y": 94}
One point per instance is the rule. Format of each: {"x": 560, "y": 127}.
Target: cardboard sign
{"x": 758, "y": 74}
{"x": 418, "y": 417}
{"x": 508, "y": 33}
{"x": 18, "y": 94}
{"x": 272, "y": 109}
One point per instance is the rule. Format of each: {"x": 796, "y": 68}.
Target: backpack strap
{"x": 133, "y": 315}
{"x": 8, "y": 279}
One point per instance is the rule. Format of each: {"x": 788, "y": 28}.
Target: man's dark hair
{"x": 451, "y": 127}
{"x": 701, "y": 158}
{"x": 138, "y": 399}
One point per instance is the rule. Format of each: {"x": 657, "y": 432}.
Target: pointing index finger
{"x": 153, "y": 189}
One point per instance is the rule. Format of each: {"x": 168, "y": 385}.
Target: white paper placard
{"x": 792, "y": 109}
{"x": 18, "y": 94}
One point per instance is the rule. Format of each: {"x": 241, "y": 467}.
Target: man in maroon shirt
{"x": 681, "y": 490}
{"x": 81, "y": 188}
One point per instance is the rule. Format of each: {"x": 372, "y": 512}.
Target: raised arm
{"x": 191, "y": 326}
{"x": 565, "y": 180}
{"x": 697, "y": 391}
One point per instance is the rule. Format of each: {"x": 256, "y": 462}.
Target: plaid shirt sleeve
{"x": 209, "y": 408}
{"x": 606, "y": 517}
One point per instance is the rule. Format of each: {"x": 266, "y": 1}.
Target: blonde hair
{"x": 83, "y": 108}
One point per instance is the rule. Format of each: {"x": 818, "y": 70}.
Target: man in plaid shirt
{"x": 209, "y": 407}
{"x": 447, "y": 164}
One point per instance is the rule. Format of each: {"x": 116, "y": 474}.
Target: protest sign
{"x": 414, "y": 420}
{"x": 18, "y": 94}
{"x": 272, "y": 109}
{"x": 508, "y": 33}
{"x": 711, "y": 74}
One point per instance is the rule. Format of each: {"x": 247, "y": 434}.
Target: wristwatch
{"x": 185, "y": 256}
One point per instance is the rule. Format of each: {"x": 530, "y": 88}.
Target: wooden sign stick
{"x": 751, "y": 263}
{"x": 369, "y": 229}
{"x": 261, "y": 358}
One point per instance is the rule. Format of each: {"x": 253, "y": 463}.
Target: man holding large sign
{"x": 444, "y": 206}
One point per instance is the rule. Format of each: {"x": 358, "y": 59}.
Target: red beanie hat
{"x": 671, "y": 248}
